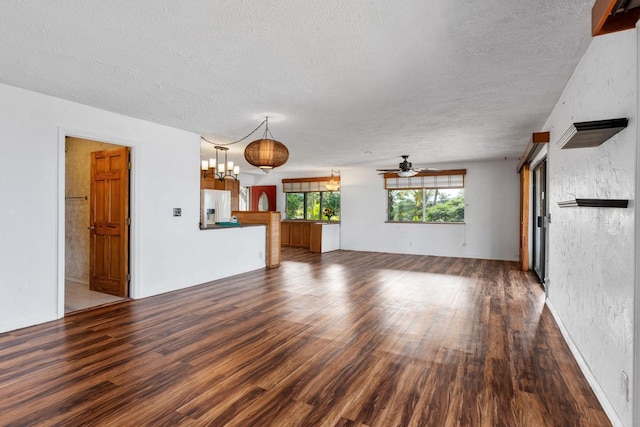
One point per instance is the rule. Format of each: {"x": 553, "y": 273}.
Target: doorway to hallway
{"x": 96, "y": 224}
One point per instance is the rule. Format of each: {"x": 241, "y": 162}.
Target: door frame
{"x": 541, "y": 156}
{"x": 134, "y": 237}
{"x": 526, "y": 208}
{"x": 539, "y": 243}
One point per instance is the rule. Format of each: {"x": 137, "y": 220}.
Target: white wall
{"x": 591, "y": 259}
{"x": 167, "y": 252}
{"x": 491, "y": 216}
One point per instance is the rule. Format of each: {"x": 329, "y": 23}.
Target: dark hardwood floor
{"x": 339, "y": 339}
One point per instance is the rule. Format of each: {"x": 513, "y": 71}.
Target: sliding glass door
{"x": 540, "y": 219}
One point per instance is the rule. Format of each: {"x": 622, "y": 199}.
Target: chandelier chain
{"x": 266, "y": 120}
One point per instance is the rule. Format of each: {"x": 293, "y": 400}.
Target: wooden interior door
{"x": 109, "y": 222}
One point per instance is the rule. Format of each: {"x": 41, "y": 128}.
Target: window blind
{"x": 439, "y": 179}
{"x": 302, "y": 185}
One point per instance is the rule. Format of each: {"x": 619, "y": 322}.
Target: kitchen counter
{"x": 225, "y": 226}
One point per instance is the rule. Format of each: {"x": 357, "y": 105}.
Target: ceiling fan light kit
{"x": 407, "y": 174}
{"x": 405, "y": 168}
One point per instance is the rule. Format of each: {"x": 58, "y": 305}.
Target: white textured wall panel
{"x": 491, "y": 216}
{"x": 591, "y": 259}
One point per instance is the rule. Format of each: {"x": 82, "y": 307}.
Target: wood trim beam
{"x": 429, "y": 173}
{"x": 600, "y": 12}
{"x": 621, "y": 22}
{"x": 603, "y": 22}
{"x": 533, "y": 146}
{"x": 525, "y": 177}
{"x": 540, "y": 137}
{"x": 315, "y": 179}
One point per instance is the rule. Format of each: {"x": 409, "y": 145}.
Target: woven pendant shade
{"x": 266, "y": 154}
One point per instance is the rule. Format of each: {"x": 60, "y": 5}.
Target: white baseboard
{"x": 25, "y": 323}
{"x": 586, "y": 371}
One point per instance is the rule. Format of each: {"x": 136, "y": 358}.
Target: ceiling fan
{"x": 404, "y": 169}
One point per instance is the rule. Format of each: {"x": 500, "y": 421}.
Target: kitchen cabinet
{"x": 324, "y": 237}
{"x": 300, "y": 234}
{"x": 318, "y": 237}
{"x": 285, "y": 235}
{"x": 296, "y": 233}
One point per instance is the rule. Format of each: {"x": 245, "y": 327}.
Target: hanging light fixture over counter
{"x": 220, "y": 170}
{"x": 265, "y": 153}
{"x": 333, "y": 184}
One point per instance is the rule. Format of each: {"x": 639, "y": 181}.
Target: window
{"x": 294, "y": 208}
{"x": 426, "y": 197}
{"x": 311, "y": 205}
{"x": 308, "y": 199}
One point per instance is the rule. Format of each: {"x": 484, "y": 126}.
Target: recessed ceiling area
{"x": 344, "y": 83}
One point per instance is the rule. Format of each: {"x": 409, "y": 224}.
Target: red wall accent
{"x": 270, "y": 191}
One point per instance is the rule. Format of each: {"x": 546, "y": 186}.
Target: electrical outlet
{"x": 177, "y": 211}
{"x": 624, "y": 385}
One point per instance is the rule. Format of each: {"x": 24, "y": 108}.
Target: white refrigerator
{"x": 215, "y": 206}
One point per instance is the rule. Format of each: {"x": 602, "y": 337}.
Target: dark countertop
{"x": 222, "y": 227}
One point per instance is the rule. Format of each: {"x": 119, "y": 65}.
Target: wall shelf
{"x": 591, "y": 134}
{"x": 594, "y": 203}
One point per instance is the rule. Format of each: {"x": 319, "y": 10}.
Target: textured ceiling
{"x": 350, "y": 82}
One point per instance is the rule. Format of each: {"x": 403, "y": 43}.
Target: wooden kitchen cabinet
{"x": 324, "y": 237}
{"x": 296, "y": 233}
{"x": 285, "y": 235}
{"x": 318, "y": 237}
{"x": 300, "y": 234}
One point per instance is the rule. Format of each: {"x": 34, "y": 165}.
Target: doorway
{"x": 96, "y": 224}
{"x": 540, "y": 220}
{"x": 263, "y": 198}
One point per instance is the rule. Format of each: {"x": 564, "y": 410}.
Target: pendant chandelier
{"x": 222, "y": 170}
{"x": 333, "y": 184}
{"x": 265, "y": 153}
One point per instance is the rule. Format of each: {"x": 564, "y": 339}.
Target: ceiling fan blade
{"x": 425, "y": 169}
{"x": 388, "y": 170}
